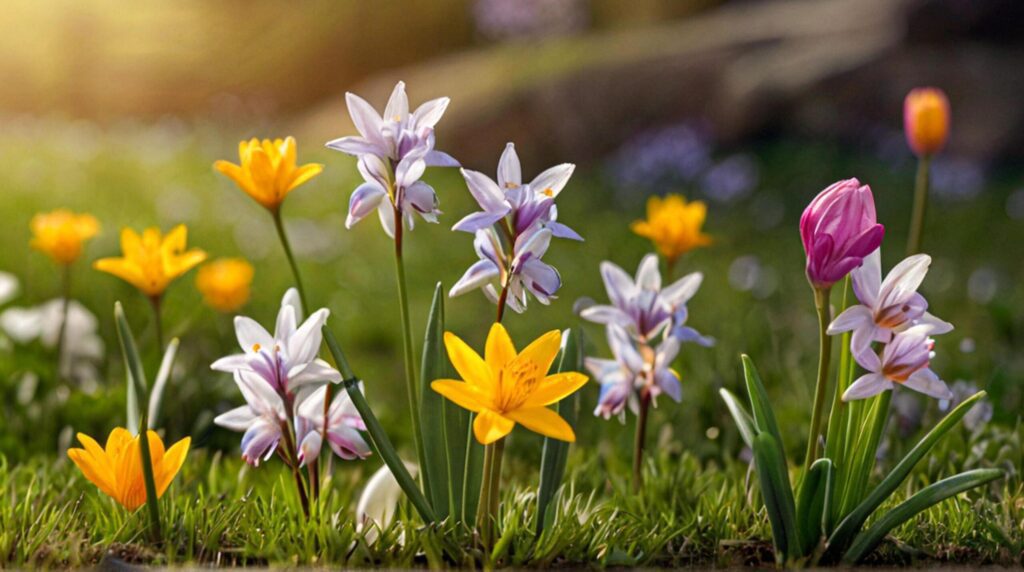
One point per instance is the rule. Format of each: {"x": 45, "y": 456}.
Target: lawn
{"x": 700, "y": 504}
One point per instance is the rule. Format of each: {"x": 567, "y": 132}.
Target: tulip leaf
{"x": 379, "y": 441}
{"x": 851, "y": 525}
{"x": 434, "y": 456}
{"x": 764, "y": 417}
{"x": 868, "y": 540}
{"x": 163, "y": 375}
{"x": 555, "y": 452}
{"x": 773, "y": 475}
{"x": 744, "y": 422}
{"x": 456, "y": 430}
{"x": 812, "y": 506}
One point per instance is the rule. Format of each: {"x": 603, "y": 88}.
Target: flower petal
{"x": 648, "y": 277}
{"x": 903, "y": 280}
{"x": 489, "y": 426}
{"x": 852, "y": 318}
{"x": 927, "y": 382}
{"x": 680, "y": 291}
{"x": 499, "y": 349}
{"x": 480, "y": 273}
{"x": 544, "y": 421}
{"x": 463, "y": 394}
{"x": 551, "y": 182}
{"x": 554, "y": 388}
{"x": 473, "y": 369}
{"x": 543, "y": 350}
{"x": 237, "y": 419}
{"x": 252, "y": 335}
{"x": 510, "y": 174}
{"x": 486, "y": 192}
{"x": 867, "y": 385}
{"x": 867, "y": 279}
{"x": 364, "y": 200}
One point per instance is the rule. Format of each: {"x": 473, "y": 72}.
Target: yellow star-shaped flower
{"x": 60, "y": 234}
{"x": 268, "y": 171}
{"x": 504, "y": 387}
{"x": 673, "y": 225}
{"x": 151, "y": 261}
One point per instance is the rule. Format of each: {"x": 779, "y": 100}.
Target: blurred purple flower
{"x": 516, "y": 19}
{"x": 676, "y": 154}
{"x": 957, "y": 179}
{"x": 731, "y": 179}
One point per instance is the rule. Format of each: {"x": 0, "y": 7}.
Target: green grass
{"x": 698, "y": 506}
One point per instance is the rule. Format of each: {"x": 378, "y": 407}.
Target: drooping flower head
{"x": 268, "y": 171}
{"x": 394, "y": 195}
{"x": 520, "y": 273}
{"x": 117, "y": 468}
{"x": 926, "y": 120}
{"x": 887, "y": 307}
{"x": 636, "y": 367}
{"x": 838, "y": 230}
{"x": 673, "y": 225}
{"x": 342, "y": 431}
{"x": 152, "y": 261}
{"x": 60, "y": 234}
{"x": 225, "y": 283}
{"x": 903, "y": 361}
{"x": 524, "y": 205}
{"x": 506, "y": 387}
{"x": 642, "y": 307}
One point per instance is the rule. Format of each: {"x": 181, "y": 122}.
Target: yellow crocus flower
{"x": 117, "y": 468}
{"x": 504, "y": 387}
{"x": 267, "y": 171}
{"x": 225, "y": 283}
{"x": 151, "y": 261}
{"x": 60, "y": 234}
{"x": 673, "y": 225}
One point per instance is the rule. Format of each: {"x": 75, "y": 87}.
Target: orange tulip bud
{"x": 926, "y": 120}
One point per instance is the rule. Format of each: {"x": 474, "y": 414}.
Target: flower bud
{"x": 926, "y": 120}
{"x": 838, "y": 230}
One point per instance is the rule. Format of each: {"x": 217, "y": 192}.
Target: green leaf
{"x": 434, "y": 459}
{"x": 135, "y": 377}
{"x": 472, "y": 478}
{"x": 764, "y": 418}
{"x": 929, "y": 496}
{"x": 778, "y": 495}
{"x": 163, "y": 375}
{"x": 744, "y": 422}
{"x": 456, "y": 425}
{"x": 851, "y": 525}
{"x": 379, "y": 441}
{"x": 812, "y": 506}
{"x": 555, "y": 452}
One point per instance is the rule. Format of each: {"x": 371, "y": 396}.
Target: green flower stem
{"x": 407, "y": 344}
{"x": 281, "y": 234}
{"x": 152, "y": 502}
{"x": 293, "y": 463}
{"x": 821, "y": 303}
{"x": 490, "y": 492}
{"x": 639, "y": 438}
{"x": 158, "y": 323}
{"x": 920, "y": 206}
{"x": 65, "y": 288}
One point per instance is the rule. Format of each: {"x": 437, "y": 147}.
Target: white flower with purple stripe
{"x": 887, "y": 307}
{"x": 524, "y": 205}
{"x": 261, "y": 418}
{"x": 905, "y": 361}
{"x": 343, "y": 427}
{"x": 635, "y": 368}
{"x": 397, "y": 195}
{"x": 524, "y": 273}
{"x": 398, "y": 133}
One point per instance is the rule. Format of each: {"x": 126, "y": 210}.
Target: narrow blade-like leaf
{"x": 764, "y": 417}
{"x": 163, "y": 375}
{"x": 555, "y": 452}
{"x": 134, "y": 374}
{"x": 434, "y": 457}
{"x": 778, "y": 495}
{"x": 744, "y": 422}
{"x": 929, "y": 496}
{"x": 812, "y": 505}
{"x": 851, "y": 525}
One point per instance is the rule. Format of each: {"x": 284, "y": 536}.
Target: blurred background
{"x": 752, "y": 107}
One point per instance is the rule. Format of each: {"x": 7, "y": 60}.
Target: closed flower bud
{"x": 926, "y": 120}
{"x": 838, "y": 230}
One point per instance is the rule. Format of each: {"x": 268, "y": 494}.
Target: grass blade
{"x": 472, "y": 478}
{"x": 764, "y": 417}
{"x": 812, "y": 507}
{"x": 434, "y": 456}
{"x": 378, "y": 438}
{"x": 929, "y": 496}
{"x": 851, "y": 525}
{"x": 778, "y": 495}
{"x": 555, "y": 452}
{"x": 744, "y": 422}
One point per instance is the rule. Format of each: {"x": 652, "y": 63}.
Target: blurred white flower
{"x": 9, "y": 287}
{"x": 83, "y": 347}
{"x": 379, "y": 501}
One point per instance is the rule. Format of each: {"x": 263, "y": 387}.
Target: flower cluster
{"x": 640, "y": 312}
{"x": 892, "y": 313}
{"x": 513, "y": 231}
{"x": 285, "y": 385}
{"x": 393, "y": 152}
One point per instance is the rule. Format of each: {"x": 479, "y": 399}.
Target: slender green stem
{"x": 821, "y": 303}
{"x": 293, "y": 463}
{"x": 639, "y": 439}
{"x": 502, "y": 302}
{"x": 65, "y": 288}
{"x": 920, "y": 206}
{"x": 490, "y": 492}
{"x": 152, "y": 502}
{"x": 407, "y": 343}
{"x": 158, "y": 324}
{"x": 283, "y": 236}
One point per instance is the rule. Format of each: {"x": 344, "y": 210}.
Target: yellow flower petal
{"x": 462, "y": 394}
{"x": 544, "y": 421}
{"x": 468, "y": 363}
{"x": 554, "y": 388}
{"x": 543, "y": 350}
{"x": 489, "y": 426}
{"x": 171, "y": 463}
{"x": 499, "y": 350}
